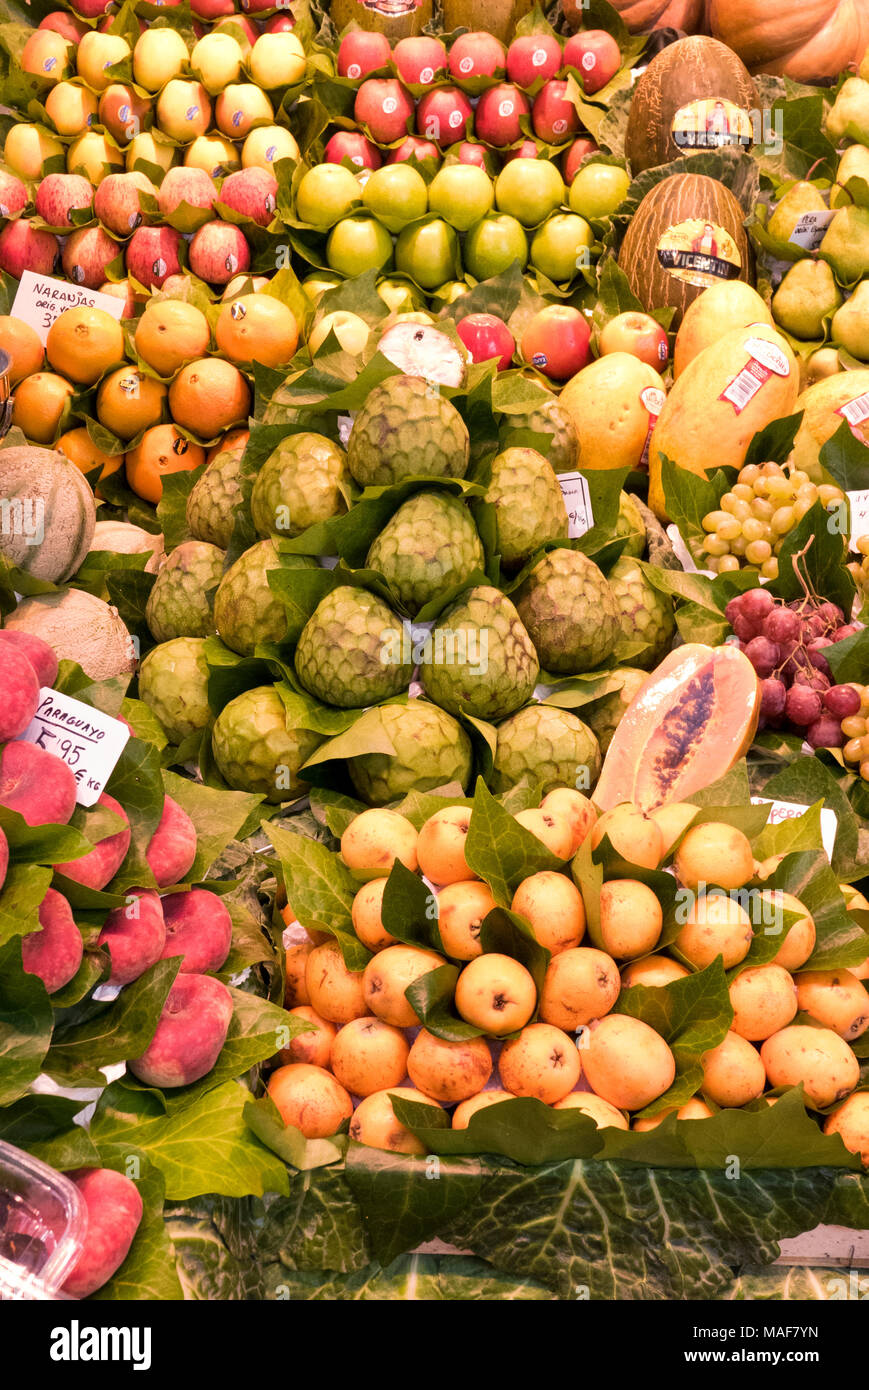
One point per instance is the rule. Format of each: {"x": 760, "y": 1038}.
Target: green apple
{"x": 358, "y": 243}
{"x": 396, "y": 194}
{"x": 451, "y": 291}
{"x": 461, "y": 194}
{"x": 597, "y": 190}
{"x": 493, "y": 244}
{"x": 400, "y": 295}
{"x": 529, "y": 190}
{"x": 428, "y": 253}
{"x": 316, "y": 285}
{"x": 557, "y": 247}
{"x": 326, "y": 194}
{"x": 350, "y": 330}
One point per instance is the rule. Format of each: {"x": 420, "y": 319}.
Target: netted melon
{"x": 47, "y": 512}
{"x": 79, "y": 627}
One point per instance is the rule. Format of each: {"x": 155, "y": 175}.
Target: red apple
{"x": 640, "y": 335}
{"x": 529, "y": 149}
{"x": 240, "y": 21}
{"x": 67, "y": 25}
{"x": 384, "y": 107}
{"x": 420, "y": 59}
{"x": 413, "y": 147}
{"x": 444, "y": 116}
{"x": 57, "y": 196}
{"x": 212, "y": 9}
{"x": 361, "y": 52}
{"x": 498, "y": 112}
{"x": 532, "y": 57}
{"x": 553, "y": 114}
{"x": 469, "y": 152}
{"x": 24, "y": 247}
{"x": 556, "y": 341}
{"x": 595, "y": 55}
{"x": 13, "y": 195}
{"x": 486, "y": 336}
{"x": 352, "y": 145}
{"x": 476, "y": 55}
{"x": 280, "y": 24}
{"x": 152, "y": 255}
{"x": 574, "y": 155}
{"x": 89, "y": 9}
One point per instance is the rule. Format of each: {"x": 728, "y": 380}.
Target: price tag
{"x": 859, "y": 504}
{"x": 577, "y": 500}
{"x": 790, "y": 810}
{"x": 40, "y": 299}
{"x": 88, "y": 741}
{"x": 810, "y": 228}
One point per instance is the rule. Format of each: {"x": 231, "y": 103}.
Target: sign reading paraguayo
{"x": 88, "y": 741}
{"x": 40, "y": 299}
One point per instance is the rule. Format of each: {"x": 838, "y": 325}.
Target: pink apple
{"x": 116, "y": 202}
{"x": 239, "y": 21}
{"x": 384, "y": 107}
{"x": 420, "y": 59}
{"x": 557, "y": 341}
{"x": 153, "y": 254}
{"x": 498, "y": 112}
{"x": 212, "y": 9}
{"x": 252, "y": 192}
{"x": 105, "y": 24}
{"x": 529, "y": 149}
{"x": 280, "y": 24}
{"x": 469, "y": 152}
{"x": 218, "y": 251}
{"x": 67, "y": 25}
{"x": 87, "y": 255}
{"x": 553, "y": 115}
{"x": 532, "y": 57}
{"x": 486, "y": 336}
{"x": 13, "y": 195}
{"x": 574, "y": 155}
{"x": 23, "y": 247}
{"x": 183, "y": 185}
{"x": 596, "y": 57}
{"x": 361, "y": 52}
{"x": 476, "y": 55}
{"x": 352, "y": 145}
{"x": 415, "y": 148}
{"x": 640, "y": 335}
{"x": 444, "y": 115}
{"x": 89, "y": 9}
{"x": 59, "y": 194}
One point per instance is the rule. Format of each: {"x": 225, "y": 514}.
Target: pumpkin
{"x": 808, "y": 42}
{"x": 643, "y": 15}
{"x": 48, "y": 517}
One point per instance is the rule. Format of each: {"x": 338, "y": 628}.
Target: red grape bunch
{"x": 785, "y": 644}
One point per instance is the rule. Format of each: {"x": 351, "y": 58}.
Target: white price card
{"x": 577, "y": 500}
{"x": 790, "y": 810}
{"x": 40, "y": 299}
{"x": 859, "y": 505}
{"x": 810, "y": 228}
{"x": 88, "y": 741}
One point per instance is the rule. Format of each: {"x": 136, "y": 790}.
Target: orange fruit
{"x": 41, "y": 406}
{"x": 209, "y": 395}
{"x": 128, "y": 401}
{"x": 83, "y": 343}
{"x": 162, "y": 450}
{"x": 257, "y": 328}
{"x": 21, "y": 344}
{"x": 234, "y": 439}
{"x": 170, "y": 333}
{"x": 80, "y": 449}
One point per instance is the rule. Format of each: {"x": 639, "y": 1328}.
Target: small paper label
{"x": 88, "y": 741}
{"x": 711, "y": 123}
{"x": 577, "y": 500}
{"x": 810, "y": 229}
{"x": 765, "y": 360}
{"x": 40, "y": 299}
{"x": 856, "y": 412}
{"x": 683, "y": 554}
{"x": 699, "y": 252}
{"x": 653, "y": 399}
{"x": 790, "y": 810}
{"x": 859, "y": 504}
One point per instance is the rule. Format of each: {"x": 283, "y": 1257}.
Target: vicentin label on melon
{"x": 712, "y": 124}
{"x": 702, "y": 253}
{"x": 764, "y": 360}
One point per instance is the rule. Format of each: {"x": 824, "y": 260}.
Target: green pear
{"x": 806, "y": 295}
{"x": 854, "y": 164}
{"x": 803, "y": 197}
{"x": 851, "y": 323}
{"x": 823, "y": 363}
{"x": 849, "y": 114}
{"x": 846, "y": 244}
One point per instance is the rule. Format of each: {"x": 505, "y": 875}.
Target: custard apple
{"x": 216, "y": 497}
{"x": 569, "y": 611}
{"x": 604, "y": 715}
{"x": 479, "y": 660}
{"x": 630, "y": 524}
{"x": 552, "y": 419}
{"x": 548, "y": 746}
{"x": 644, "y": 614}
{"x": 431, "y": 749}
{"x": 407, "y": 429}
{"x": 254, "y": 748}
{"x": 431, "y": 544}
{"x": 352, "y": 650}
{"x": 246, "y": 610}
{"x": 528, "y": 505}
{"x": 300, "y": 483}
{"x": 182, "y": 600}
{"x": 173, "y": 681}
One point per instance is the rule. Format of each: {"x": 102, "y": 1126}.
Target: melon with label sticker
{"x": 827, "y": 404}
{"x": 724, "y": 396}
{"x": 614, "y": 403}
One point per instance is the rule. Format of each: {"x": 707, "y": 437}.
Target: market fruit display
{"x": 439, "y": 483}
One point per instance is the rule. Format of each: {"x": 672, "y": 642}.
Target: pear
{"x": 851, "y": 323}
{"x": 849, "y": 114}
{"x": 806, "y": 295}
{"x": 854, "y": 164}
{"x": 801, "y": 198}
{"x": 823, "y": 363}
{"x": 846, "y": 244}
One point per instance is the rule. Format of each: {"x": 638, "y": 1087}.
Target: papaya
{"x": 827, "y": 403}
{"x": 718, "y": 310}
{"x": 687, "y": 725}
{"x": 729, "y": 392}
{"x": 613, "y": 403}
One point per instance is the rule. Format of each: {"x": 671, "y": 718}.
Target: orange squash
{"x": 687, "y": 725}
{"x": 643, "y": 15}
{"x": 808, "y": 41}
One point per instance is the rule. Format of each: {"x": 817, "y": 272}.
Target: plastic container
{"x": 43, "y": 1220}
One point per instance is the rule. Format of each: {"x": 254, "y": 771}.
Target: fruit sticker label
{"x": 577, "y": 500}
{"x": 858, "y": 503}
{"x": 856, "y": 412}
{"x": 702, "y": 253}
{"x": 88, "y": 741}
{"x": 791, "y": 810}
{"x": 712, "y": 124}
{"x": 765, "y": 360}
{"x": 40, "y": 299}
{"x": 653, "y": 399}
{"x": 810, "y": 229}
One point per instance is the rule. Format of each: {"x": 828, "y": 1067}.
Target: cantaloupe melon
{"x": 81, "y": 628}
{"x": 122, "y": 538}
{"x": 48, "y": 513}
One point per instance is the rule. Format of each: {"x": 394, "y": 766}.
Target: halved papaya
{"x": 687, "y": 725}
